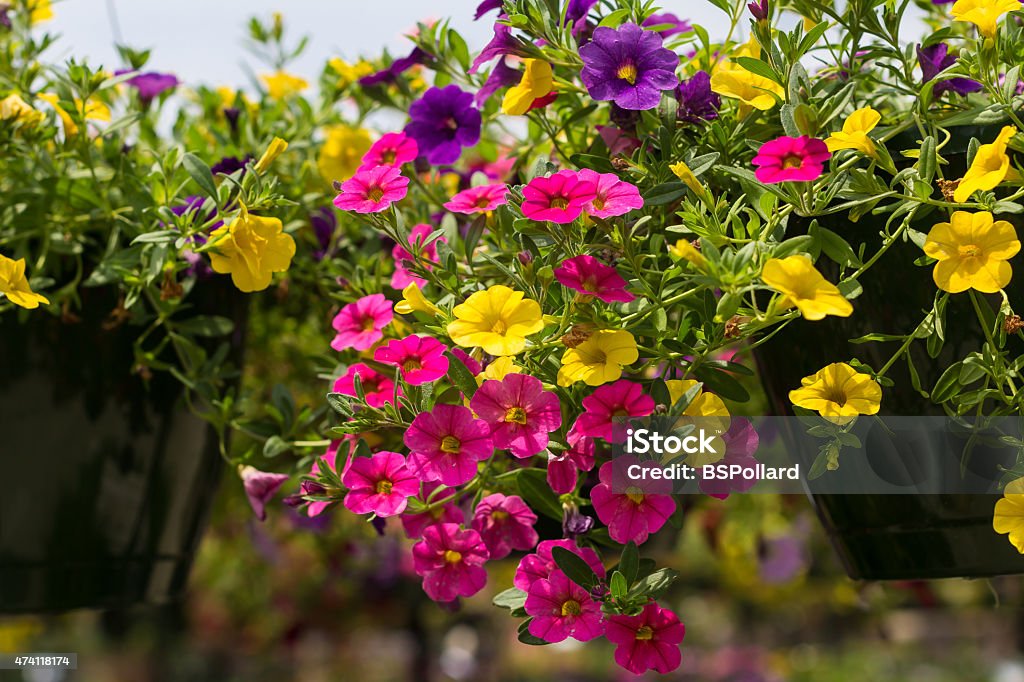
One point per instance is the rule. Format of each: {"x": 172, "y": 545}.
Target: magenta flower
{"x": 359, "y": 324}
{"x": 260, "y": 488}
{"x": 562, "y": 609}
{"x": 378, "y": 388}
{"x": 613, "y": 196}
{"x": 591, "y": 277}
{"x": 150, "y": 84}
{"x": 392, "y": 149}
{"x": 540, "y": 565}
{"x": 505, "y": 524}
{"x": 468, "y": 360}
{"x": 674, "y": 24}
{"x": 559, "y": 198}
{"x": 624, "y": 398}
{"x": 633, "y": 515}
{"x": 415, "y": 524}
{"x": 421, "y": 358}
{"x": 741, "y": 443}
{"x": 451, "y": 560}
{"x": 791, "y": 159}
{"x": 628, "y": 66}
{"x": 480, "y": 199}
{"x": 446, "y": 444}
{"x": 649, "y": 641}
{"x": 402, "y": 276}
{"x": 563, "y": 468}
{"x": 519, "y": 412}
{"x": 443, "y": 121}
{"x": 380, "y": 484}
{"x": 502, "y": 43}
{"x": 372, "y": 191}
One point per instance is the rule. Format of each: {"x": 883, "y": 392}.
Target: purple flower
{"x": 485, "y": 7}
{"x": 935, "y": 59}
{"x": 150, "y": 84}
{"x": 443, "y": 122}
{"x": 197, "y": 265}
{"x": 324, "y": 222}
{"x": 677, "y": 25}
{"x": 260, "y": 488}
{"x": 628, "y": 66}
{"x": 5, "y": 19}
{"x": 502, "y": 76}
{"x": 578, "y": 9}
{"x": 759, "y": 9}
{"x": 502, "y": 43}
{"x": 697, "y": 102}
{"x": 396, "y": 69}
{"x": 230, "y": 164}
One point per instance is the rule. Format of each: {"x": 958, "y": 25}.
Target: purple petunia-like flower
{"x": 674, "y": 23}
{"x": 503, "y": 43}
{"x": 935, "y": 59}
{"x": 502, "y": 76}
{"x": 697, "y": 102}
{"x": 628, "y": 66}
{"x": 443, "y": 122}
{"x": 396, "y": 68}
{"x": 485, "y": 7}
{"x": 150, "y": 85}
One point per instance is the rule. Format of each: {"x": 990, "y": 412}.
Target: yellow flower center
{"x": 969, "y": 251}
{"x": 451, "y": 445}
{"x": 516, "y": 415}
{"x": 388, "y": 157}
{"x": 792, "y": 161}
{"x": 499, "y": 327}
{"x": 451, "y": 124}
{"x": 571, "y": 608}
{"x": 482, "y": 202}
{"x": 598, "y": 202}
{"x": 559, "y": 202}
{"x": 368, "y": 324}
{"x": 452, "y": 557}
{"x": 836, "y": 395}
{"x": 375, "y": 193}
{"x": 635, "y": 495}
{"x": 412, "y": 364}
{"x": 645, "y": 632}
{"x": 384, "y": 487}
{"x": 499, "y": 515}
{"x": 589, "y": 284}
{"x": 627, "y": 72}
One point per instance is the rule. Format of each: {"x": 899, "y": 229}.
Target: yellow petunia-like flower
{"x": 14, "y": 285}
{"x": 413, "y": 300}
{"x": 349, "y": 73}
{"x": 499, "y": 369}
{"x": 342, "y": 152}
{"x": 497, "y": 320}
{"x": 984, "y": 14}
{"x": 89, "y": 111}
{"x": 39, "y": 10}
{"x": 685, "y": 250}
{"x": 704, "y": 404}
{"x": 282, "y": 84}
{"x": 276, "y": 147}
{"x": 838, "y": 390}
{"x": 749, "y": 88}
{"x": 990, "y": 167}
{"x": 599, "y": 359}
{"x": 1008, "y": 517}
{"x": 251, "y": 248}
{"x": 972, "y": 250}
{"x": 683, "y": 172}
{"x": 854, "y": 134}
{"x": 537, "y": 82}
{"x": 14, "y": 108}
{"x": 801, "y": 285}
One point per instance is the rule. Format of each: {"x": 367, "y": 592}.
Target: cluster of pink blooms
{"x": 791, "y": 159}
{"x": 563, "y": 196}
{"x": 379, "y": 181}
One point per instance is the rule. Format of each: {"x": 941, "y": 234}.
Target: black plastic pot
{"x": 890, "y": 537}
{"x": 107, "y": 482}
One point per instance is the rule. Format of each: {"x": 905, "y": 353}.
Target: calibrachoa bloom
{"x": 343, "y": 151}
{"x": 628, "y": 66}
{"x": 251, "y": 248}
{"x": 378, "y": 389}
{"x": 260, "y": 488}
{"x": 451, "y": 560}
{"x": 649, "y": 641}
{"x": 402, "y": 277}
{"x": 519, "y": 412}
{"x": 801, "y": 285}
{"x": 446, "y": 444}
{"x": 541, "y": 564}
{"x": 468, "y": 360}
{"x": 612, "y": 196}
{"x": 563, "y": 468}
{"x": 697, "y": 101}
{"x": 752, "y": 90}
{"x": 1008, "y": 518}
{"x": 935, "y": 59}
{"x": 791, "y": 159}
{"x": 505, "y": 524}
{"x": 14, "y": 285}
{"x": 685, "y": 250}
{"x": 359, "y": 324}
{"x": 984, "y": 14}
{"x": 14, "y": 108}
{"x": 537, "y": 82}
{"x": 372, "y": 191}
{"x": 420, "y": 358}
{"x": 633, "y": 515}
{"x": 740, "y": 441}
{"x": 380, "y": 484}
{"x": 392, "y": 149}
{"x": 674, "y": 25}
{"x": 838, "y": 390}
{"x": 562, "y": 609}
{"x": 591, "y": 277}
{"x": 624, "y": 398}
{"x": 558, "y": 198}
{"x": 415, "y": 524}
{"x": 413, "y": 300}
{"x": 150, "y": 85}
{"x": 329, "y": 459}
{"x": 854, "y": 134}
{"x": 497, "y": 320}
{"x": 281, "y": 84}
{"x": 972, "y": 252}
{"x": 443, "y": 122}
{"x": 599, "y": 359}
{"x": 990, "y": 167}
{"x": 479, "y": 199}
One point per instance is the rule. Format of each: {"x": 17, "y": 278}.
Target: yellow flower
{"x": 499, "y": 369}
{"x": 282, "y": 84}
{"x": 537, "y": 82}
{"x": 342, "y": 152}
{"x": 991, "y": 166}
{"x": 1009, "y": 514}
{"x": 599, "y": 359}
{"x": 972, "y": 251}
{"x": 275, "y": 149}
{"x": 497, "y": 320}
{"x": 749, "y": 88}
{"x": 39, "y": 10}
{"x": 90, "y": 111}
{"x": 14, "y": 108}
{"x": 683, "y": 172}
{"x": 703, "y": 404}
{"x": 685, "y": 250}
{"x": 802, "y": 285}
{"x": 414, "y": 301}
{"x": 854, "y": 134}
{"x": 984, "y": 14}
{"x": 838, "y": 391}
{"x": 14, "y": 285}
{"x": 349, "y": 73}
{"x": 251, "y": 248}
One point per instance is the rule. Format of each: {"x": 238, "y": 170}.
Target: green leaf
{"x": 618, "y": 586}
{"x": 665, "y": 193}
{"x": 206, "y": 325}
{"x": 525, "y": 637}
{"x": 574, "y": 567}
{"x": 534, "y": 488}
{"x": 629, "y": 562}
{"x": 837, "y": 248}
{"x": 722, "y": 383}
{"x": 948, "y": 384}
{"x": 460, "y": 375}
{"x": 758, "y": 67}
{"x": 655, "y": 584}
{"x": 157, "y": 237}
{"x": 200, "y": 172}
{"x": 512, "y": 599}
{"x": 274, "y": 446}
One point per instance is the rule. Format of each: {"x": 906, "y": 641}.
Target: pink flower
{"x": 623, "y": 398}
{"x": 468, "y": 360}
{"x": 519, "y": 412}
{"x": 380, "y": 484}
{"x": 791, "y": 159}
{"x": 562, "y": 609}
{"x": 451, "y": 560}
{"x": 359, "y": 324}
{"x": 372, "y": 191}
{"x": 480, "y": 199}
{"x": 329, "y": 459}
{"x": 377, "y": 388}
{"x": 446, "y": 444}
{"x": 541, "y": 565}
{"x": 260, "y": 488}
{"x": 559, "y": 198}
{"x": 415, "y": 524}
{"x": 563, "y": 468}
{"x": 591, "y": 277}
{"x": 613, "y": 196}
{"x": 741, "y": 442}
{"x": 393, "y": 149}
{"x": 649, "y": 641}
{"x": 402, "y": 277}
{"x": 635, "y": 514}
{"x": 505, "y": 524}
{"x": 421, "y": 358}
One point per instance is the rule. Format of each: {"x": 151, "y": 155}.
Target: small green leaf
{"x": 574, "y": 567}
{"x": 200, "y": 172}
